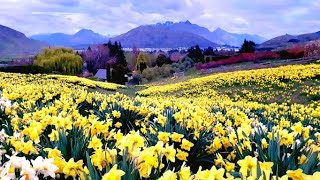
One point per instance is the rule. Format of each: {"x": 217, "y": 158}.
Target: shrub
{"x": 177, "y": 67}
{"x": 183, "y": 65}
{"x": 59, "y": 59}
{"x": 165, "y": 70}
{"x": 292, "y": 53}
{"x": 187, "y": 63}
{"x": 244, "y": 57}
{"x": 151, "y": 73}
{"x": 162, "y": 59}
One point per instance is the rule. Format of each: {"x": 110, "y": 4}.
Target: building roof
{"x": 101, "y": 74}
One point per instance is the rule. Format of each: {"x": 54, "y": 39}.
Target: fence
{"x": 178, "y": 74}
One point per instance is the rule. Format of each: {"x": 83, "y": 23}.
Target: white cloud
{"x": 267, "y": 18}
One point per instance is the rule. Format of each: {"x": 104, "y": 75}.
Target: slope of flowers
{"x": 66, "y": 132}
{"x": 264, "y": 78}
{"x": 19, "y": 80}
{"x": 87, "y": 82}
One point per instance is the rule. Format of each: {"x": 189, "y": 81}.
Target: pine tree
{"x": 120, "y": 66}
{"x": 196, "y": 54}
{"x": 247, "y": 47}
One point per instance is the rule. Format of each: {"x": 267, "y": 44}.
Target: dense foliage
{"x": 108, "y": 56}
{"x": 163, "y": 59}
{"x": 96, "y": 58}
{"x": 142, "y": 61}
{"x": 247, "y": 47}
{"x": 62, "y": 60}
{"x": 243, "y": 57}
{"x": 119, "y": 65}
{"x": 196, "y": 54}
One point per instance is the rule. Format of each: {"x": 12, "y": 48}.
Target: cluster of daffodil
{"x": 67, "y": 132}
{"x": 262, "y": 78}
{"x": 312, "y": 92}
{"x": 87, "y": 82}
{"x": 10, "y": 79}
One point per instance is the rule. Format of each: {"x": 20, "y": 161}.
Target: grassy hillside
{"x": 14, "y": 43}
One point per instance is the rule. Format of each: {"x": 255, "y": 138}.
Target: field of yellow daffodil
{"x": 214, "y": 127}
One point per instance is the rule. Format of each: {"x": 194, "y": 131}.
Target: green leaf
{"x": 258, "y": 170}
{"x": 311, "y": 164}
{"x": 92, "y": 171}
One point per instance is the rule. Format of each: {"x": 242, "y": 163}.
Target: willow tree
{"x": 63, "y": 60}
{"x": 141, "y": 61}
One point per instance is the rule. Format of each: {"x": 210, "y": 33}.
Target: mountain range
{"x": 160, "y": 35}
{"x": 15, "y": 43}
{"x": 181, "y": 34}
{"x": 82, "y": 38}
{"x": 285, "y": 41}
{"x": 218, "y": 36}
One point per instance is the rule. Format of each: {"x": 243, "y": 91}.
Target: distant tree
{"x": 175, "y": 56}
{"x": 119, "y": 65}
{"x": 135, "y": 51}
{"x": 131, "y": 60}
{"x": 151, "y": 59}
{"x": 118, "y": 74}
{"x": 162, "y": 59}
{"x": 247, "y": 47}
{"x": 96, "y": 58}
{"x": 141, "y": 61}
{"x": 109, "y": 73}
{"x": 208, "y": 51}
{"x": 183, "y": 51}
{"x": 59, "y": 59}
{"x": 312, "y": 49}
{"x": 196, "y": 54}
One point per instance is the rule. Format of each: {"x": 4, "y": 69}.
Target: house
{"x": 131, "y": 80}
{"x": 101, "y": 74}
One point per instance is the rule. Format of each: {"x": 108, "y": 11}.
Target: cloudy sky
{"x": 267, "y": 18}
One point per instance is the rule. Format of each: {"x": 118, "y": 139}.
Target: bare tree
{"x": 97, "y": 58}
